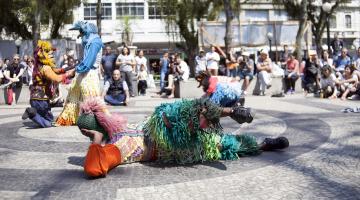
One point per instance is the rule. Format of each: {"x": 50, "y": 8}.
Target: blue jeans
{"x": 162, "y": 79}
{"x": 43, "y": 116}
{"x": 231, "y": 72}
{"x": 115, "y": 100}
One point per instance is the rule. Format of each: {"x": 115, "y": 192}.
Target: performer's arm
{"x": 50, "y": 74}
{"x": 88, "y": 62}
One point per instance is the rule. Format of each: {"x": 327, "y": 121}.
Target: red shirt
{"x": 291, "y": 64}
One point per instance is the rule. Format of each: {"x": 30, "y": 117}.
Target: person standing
{"x": 24, "y": 64}
{"x": 212, "y": 59}
{"x": 336, "y": 46}
{"x": 126, "y": 62}
{"x": 164, "y": 68}
{"x": 200, "y": 62}
{"x": 13, "y": 74}
{"x": 140, "y": 60}
{"x": 107, "y": 63}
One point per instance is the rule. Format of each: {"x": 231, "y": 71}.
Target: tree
{"x": 297, "y": 9}
{"x": 24, "y": 18}
{"x": 98, "y": 16}
{"x": 318, "y": 17}
{"x": 183, "y": 16}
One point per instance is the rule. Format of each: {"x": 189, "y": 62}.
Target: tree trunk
{"x": 318, "y": 42}
{"x": 228, "y": 28}
{"x": 98, "y": 16}
{"x": 301, "y": 30}
{"x": 36, "y": 24}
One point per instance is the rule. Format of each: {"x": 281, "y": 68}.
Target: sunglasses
{"x": 16, "y": 58}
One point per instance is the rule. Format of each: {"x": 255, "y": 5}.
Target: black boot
{"x": 29, "y": 113}
{"x": 270, "y": 144}
{"x": 242, "y": 114}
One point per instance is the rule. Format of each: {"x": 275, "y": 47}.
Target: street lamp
{"x": 269, "y": 36}
{"x": 18, "y": 44}
{"x": 326, "y": 7}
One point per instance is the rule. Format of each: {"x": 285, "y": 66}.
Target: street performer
{"x": 86, "y": 81}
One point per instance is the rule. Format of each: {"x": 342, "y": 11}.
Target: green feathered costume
{"x": 175, "y": 129}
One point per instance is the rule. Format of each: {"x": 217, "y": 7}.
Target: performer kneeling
{"x": 182, "y": 132}
{"x": 45, "y": 76}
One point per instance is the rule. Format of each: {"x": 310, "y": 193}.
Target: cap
{"x": 245, "y": 54}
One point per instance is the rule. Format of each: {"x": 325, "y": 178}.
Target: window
{"x": 348, "y": 21}
{"x": 130, "y": 9}
{"x": 257, "y": 15}
{"x": 280, "y": 15}
{"x": 332, "y": 22}
{"x": 154, "y": 10}
{"x": 90, "y": 11}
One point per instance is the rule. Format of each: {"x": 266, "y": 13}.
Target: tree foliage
{"x": 18, "y": 17}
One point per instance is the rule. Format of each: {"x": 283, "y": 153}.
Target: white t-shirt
{"x": 140, "y": 61}
{"x": 185, "y": 68}
{"x": 200, "y": 64}
{"x": 212, "y": 59}
{"x": 329, "y": 62}
{"x": 329, "y": 81}
{"x": 125, "y": 58}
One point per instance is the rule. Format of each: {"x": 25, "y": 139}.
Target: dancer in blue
{"x": 86, "y": 81}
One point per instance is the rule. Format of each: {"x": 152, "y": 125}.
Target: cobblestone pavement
{"x": 323, "y": 161}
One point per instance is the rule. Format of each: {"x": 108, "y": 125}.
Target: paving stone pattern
{"x": 323, "y": 161}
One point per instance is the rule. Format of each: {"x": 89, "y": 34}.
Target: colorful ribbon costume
{"x": 86, "y": 81}
{"x": 182, "y": 132}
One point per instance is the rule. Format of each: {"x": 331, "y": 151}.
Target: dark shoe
{"x": 29, "y": 113}
{"x": 278, "y": 95}
{"x": 241, "y": 114}
{"x": 270, "y": 144}
{"x": 268, "y": 86}
{"x": 241, "y": 101}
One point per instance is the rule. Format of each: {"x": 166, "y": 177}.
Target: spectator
{"x": 29, "y": 70}
{"x": 2, "y": 68}
{"x": 342, "y": 61}
{"x": 336, "y": 46}
{"x": 291, "y": 74}
{"x": 140, "y": 60}
{"x": 246, "y": 70}
{"x": 357, "y": 59}
{"x": 325, "y": 60}
{"x": 24, "y": 64}
{"x": 200, "y": 62}
{"x": 13, "y": 74}
{"x": 182, "y": 73}
{"x": 116, "y": 91}
{"x": 348, "y": 82}
{"x": 107, "y": 65}
{"x": 328, "y": 82}
{"x": 6, "y": 62}
{"x": 164, "y": 67}
{"x": 311, "y": 77}
{"x": 284, "y": 56}
{"x": 212, "y": 60}
{"x": 231, "y": 65}
{"x": 126, "y": 62}
{"x": 142, "y": 77}
{"x": 264, "y": 71}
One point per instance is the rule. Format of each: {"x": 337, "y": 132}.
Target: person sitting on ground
{"x": 291, "y": 74}
{"x": 142, "y": 77}
{"x": 342, "y": 61}
{"x": 325, "y": 60}
{"x": 348, "y": 82}
{"x": 182, "y": 73}
{"x": 182, "y": 132}
{"x": 116, "y": 91}
{"x": 311, "y": 78}
{"x": 328, "y": 83}
{"x": 246, "y": 70}
{"x": 264, "y": 71}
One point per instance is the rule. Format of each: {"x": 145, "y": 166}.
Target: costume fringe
{"x": 174, "y": 127}
{"x": 225, "y": 94}
{"x": 233, "y": 146}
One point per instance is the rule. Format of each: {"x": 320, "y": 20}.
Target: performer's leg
{"x": 100, "y": 159}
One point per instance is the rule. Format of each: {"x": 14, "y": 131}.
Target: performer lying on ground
{"x": 221, "y": 90}
{"x": 86, "y": 82}
{"x": 45, "y": 77}
{"x": 186, "y": 131}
